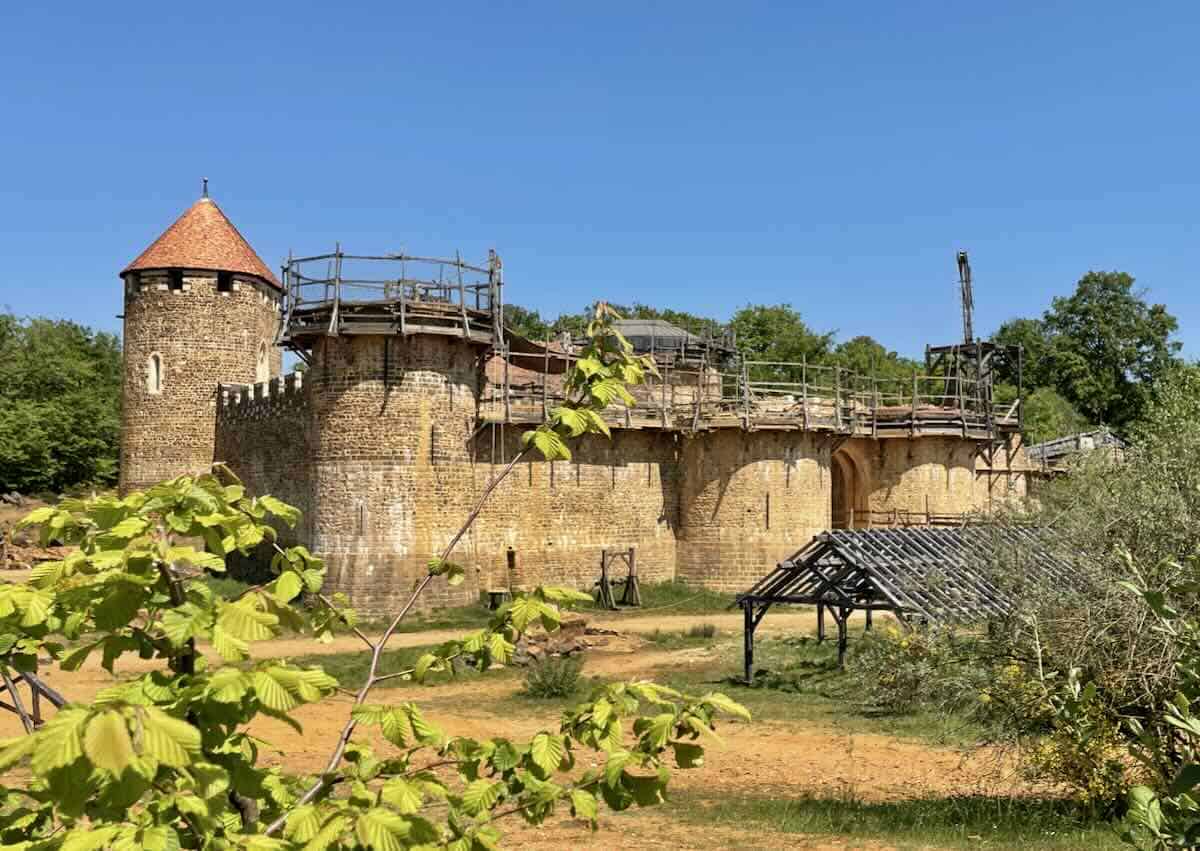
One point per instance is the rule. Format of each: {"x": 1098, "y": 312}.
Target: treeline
{"x": 1089, "y": 360}
{"x": 60, "y": 405}
{"x": 763, "y": 332}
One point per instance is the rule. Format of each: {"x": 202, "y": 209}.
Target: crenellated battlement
{"x": 264, "y": 399}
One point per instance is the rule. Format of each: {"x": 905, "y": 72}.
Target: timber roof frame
{"x": 935, "y": 574}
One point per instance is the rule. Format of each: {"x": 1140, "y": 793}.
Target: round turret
{"x": 201, "y": 309}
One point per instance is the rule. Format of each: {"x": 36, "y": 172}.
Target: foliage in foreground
{"x": 166, "y": 760}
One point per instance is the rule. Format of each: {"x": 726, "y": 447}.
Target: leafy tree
{"x": 60, "y": 389}
{"x": 777, "y": 333}
{"x": 1036, "y": 365}
{"x": 1109, "y": 346}
{"x": 528, "y": 323}
{"x": 1048, "y": 415}
{"x": 864, "y": 355}
{"x": 164, "y": 760}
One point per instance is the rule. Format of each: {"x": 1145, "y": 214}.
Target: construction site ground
{"x": 781, "y": 758}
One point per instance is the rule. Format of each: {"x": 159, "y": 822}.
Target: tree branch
{"x": 373, "y": 676}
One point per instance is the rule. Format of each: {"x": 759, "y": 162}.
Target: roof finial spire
{"x": 204, "y": 187}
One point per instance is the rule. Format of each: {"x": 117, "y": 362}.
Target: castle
{"x": 414, "y": 395}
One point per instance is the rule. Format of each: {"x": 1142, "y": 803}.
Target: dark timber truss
{"x": 932, "y": 575}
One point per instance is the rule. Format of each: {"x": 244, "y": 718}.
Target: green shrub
{"x": 703, "y": 630}
{"x": 554, "y": 676}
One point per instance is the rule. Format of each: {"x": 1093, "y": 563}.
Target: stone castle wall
{"x": 380, "y": 446}
{"x": 558, "y": 516}
{"x": 747, "y": 501}
{"x": 264, "y": 434}
{"x": 391, "y": 471}
{"x": 195, "y": 337}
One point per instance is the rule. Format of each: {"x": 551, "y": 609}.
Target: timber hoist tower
{"x": 970, "y": 369}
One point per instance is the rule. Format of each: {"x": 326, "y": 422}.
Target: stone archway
{"x": 846, "y": 492}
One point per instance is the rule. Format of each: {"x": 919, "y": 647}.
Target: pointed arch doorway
{"x": 846, "y": 492}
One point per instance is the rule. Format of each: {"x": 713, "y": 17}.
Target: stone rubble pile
{"x": 572, "y": 636}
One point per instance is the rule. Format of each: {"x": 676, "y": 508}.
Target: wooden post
{"x": 804, "y": 388}
{"x": 869, "y": 613}
{"x": 507, "y": 391}
{"x": 820, "y": 623}
{"x": 663, "y": 379}
{"x": 837, "y": 397}
{"x": 545, "y": 372}
{"x": 842, "y": 638}
{"x": 748, "y": 640}
{"x": 912, "y": 423}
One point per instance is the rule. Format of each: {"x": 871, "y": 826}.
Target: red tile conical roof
{"x": 203, "y": 238}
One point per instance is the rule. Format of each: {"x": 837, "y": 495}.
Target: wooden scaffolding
{"x": 924, "y": 574}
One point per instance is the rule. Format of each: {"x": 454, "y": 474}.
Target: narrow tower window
{"x": 224, "y": 282}
{"x": 262, "y": 368}
{"x": 175, "y": 280}
{"x": 154, "y": 374}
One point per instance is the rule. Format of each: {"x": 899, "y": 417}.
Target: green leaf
{"x": 422, "y": 667}
{"x": 60, "y": 742}
{"x": 272, "y": 693}
{"x": 404, "y": 796}
{"x": 107, "y": 743}
{"x": 242, "y": 621}
{"x": 688, "y": 755}
{"x": 481, "y": 795}
{"x": 328, "y": 834}
{"x": 614, "y": 767}
{"x": 547, "y": 752}
{"x": 719, "y": 701}
{"x": 547, "y": 441}
{"x": 658, "y": 731}
{"x": 169, "y": 740}
{"x": 303, "y": 823}
{"x": 231, "y": 649}
{"x": 287, "y": 513}
{"x": 287, "y": 586}
{"x": 1187, "y": 779}
{"x": 183, "y": 623}
{"x": 36, "y": 517}
{"x": 381, "y": 830}
{"x": 583, "y": 805}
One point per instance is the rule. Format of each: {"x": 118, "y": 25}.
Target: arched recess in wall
{"x": 154, "y": 373}
{"x": 262, "y": 366}
{"x": 847, "y": 492}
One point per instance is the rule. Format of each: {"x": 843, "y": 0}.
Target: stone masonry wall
{"x": 391, "y": 473}
{"x": 380, "y": 446}
{"x": 264, "y": 435}
{"x": 558, "y": 517}
{"x": 201, "y": 337}
{"x": 747, "y": 500}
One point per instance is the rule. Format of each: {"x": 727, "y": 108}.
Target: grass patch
{"x": 799, "y": 680}
{"x": 553, "y": 677}
{"x": 350, "y": 669}
{"x": 954, "y": 822}
{"x": 680, "y": 599}
{"x": 700, "y": 635}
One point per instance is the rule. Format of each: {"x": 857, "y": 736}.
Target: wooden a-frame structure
{"x": 918, "y": 573}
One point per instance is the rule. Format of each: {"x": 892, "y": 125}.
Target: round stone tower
{"x": 201, "y": 309}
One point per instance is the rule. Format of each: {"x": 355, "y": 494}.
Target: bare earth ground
{"x": 769, "y": 758}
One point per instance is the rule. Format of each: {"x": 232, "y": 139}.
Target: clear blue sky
{"x": 693, "y": 155}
